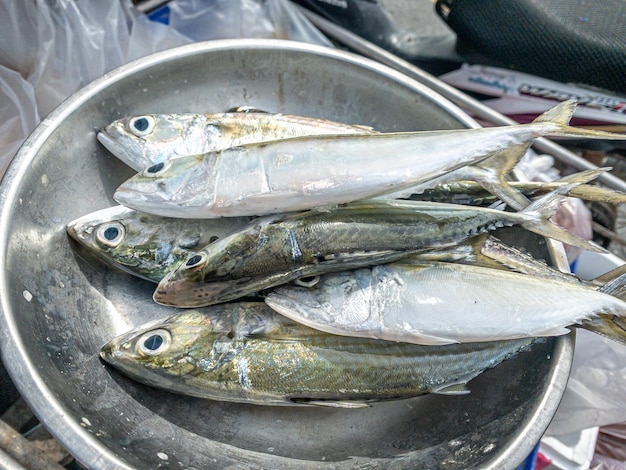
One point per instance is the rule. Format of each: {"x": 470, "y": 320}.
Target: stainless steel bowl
{"x": 58, "y": 310}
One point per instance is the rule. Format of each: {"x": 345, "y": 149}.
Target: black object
{"x": 8, "y": 392}
{"x": 369, "y": 20}
{"x": 564, "y": 40}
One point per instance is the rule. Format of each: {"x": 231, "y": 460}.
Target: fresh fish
{"x": 145, "y": 245}
{"x": 245, "y": 352}
{"x": 487, "y": 251}
{"x": 441, "y": 303}
{"x": 306, "y": 172}
{"x": 276, "y": 249}
{"x": 143, "y": 141}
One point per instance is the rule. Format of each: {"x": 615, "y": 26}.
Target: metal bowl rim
{"x": 49, "y": 409}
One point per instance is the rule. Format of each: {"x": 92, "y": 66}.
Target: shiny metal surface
{"x": 58, "y": 310}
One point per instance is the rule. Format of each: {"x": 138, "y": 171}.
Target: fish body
{"x": 441, "y": 303}
{"x": 145, "y": 245}
{"x": 245, "y": 352}
{"x": 307, "y": 172}
{"x": 145, "y": 140}
{"x": 276, "y": 249}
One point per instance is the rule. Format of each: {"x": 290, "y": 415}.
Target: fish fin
{"x": 491, "y": 173}
{"x": 466, "y": 251}
{"x": 607, "y": 325}
{"x": 589, "y": 192}
{"x": 332, "y": 403}
{"x": 453, "y": 389}
{"x": 558, "y": 119}
{"x": 613, "y": 283}
{"x": 556, "y": 331}
{"x": 592, "y": 192}
{"x": 511, "y": 258}
{"x": 364, "y": 128}
{"x": 247, "y": 110}
{"x": 545, "y": 207}
{"x": 428, "y": 340}
{"x": 584, "y": 176}
{"x": 561, "y": 113}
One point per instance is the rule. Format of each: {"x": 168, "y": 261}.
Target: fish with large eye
{"x": 143, "y": 140}
{"x": 295, "y": 174}
{"x": 144, "y": 245}
{"x": 141, "y": 125}
{"x": 244, "y": 352}
{"x": 194, "y": 261}
{"x": 111, "y": 234}
{"x": 154, "y": 342}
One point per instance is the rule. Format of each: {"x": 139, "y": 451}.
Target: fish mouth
{"x": 114, "y": 146}
{"x": 296, "y": 308}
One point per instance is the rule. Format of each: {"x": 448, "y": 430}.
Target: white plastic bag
{"x": 203, "y": 20}
{"x": 50, "y": 49}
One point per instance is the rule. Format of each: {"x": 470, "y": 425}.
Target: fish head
{"x": 183, "y": 187}
{"x": 198, "y": 281}
{"x": 338, "y": 299}
{"x": 145, "y": 140}
{"x": 125, "y": 239}
{"x": 163, "y": 350}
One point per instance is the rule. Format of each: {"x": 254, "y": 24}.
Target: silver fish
{"x": 145, "y": 245}
{"x": 306, "y": 172}
{"x": 276, "y": 249}
{"x": 441, "y": 303}
{"x": 245, "y": 352}
{"x": 145, "y": 140}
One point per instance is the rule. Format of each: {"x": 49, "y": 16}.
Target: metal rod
{"x": 475, "y": 107}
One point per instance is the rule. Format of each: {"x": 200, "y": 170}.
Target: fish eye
{"x": 156, "y": 169}
{"x": 141, "y": 125}
{"x": 110, "y": 234}
{"x": 308, "y": 281}
{"x": 194, "y": 261}
{"x": 154, "y": 342}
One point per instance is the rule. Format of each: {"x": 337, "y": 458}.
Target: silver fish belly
{"x": 441, "y": 303}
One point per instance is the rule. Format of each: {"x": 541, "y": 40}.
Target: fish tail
{"x": 607, "y": 324}
{"x": 492, "y": 173}
{"x": 540, "y": 211}
{"x": 557, "y": 119}
{"x": 613, "y": 283}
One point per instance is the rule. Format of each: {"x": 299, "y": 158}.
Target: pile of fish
{"x": 323, "y": 263}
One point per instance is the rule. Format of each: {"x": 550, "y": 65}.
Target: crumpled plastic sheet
{"x": 610, "y": 448}
{"x": 595, "y": 393}
{"x": 203, "y": 20}
{"x": 50, "y": 49}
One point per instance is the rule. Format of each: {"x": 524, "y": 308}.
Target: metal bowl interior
{"x": 58, "y": 309}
